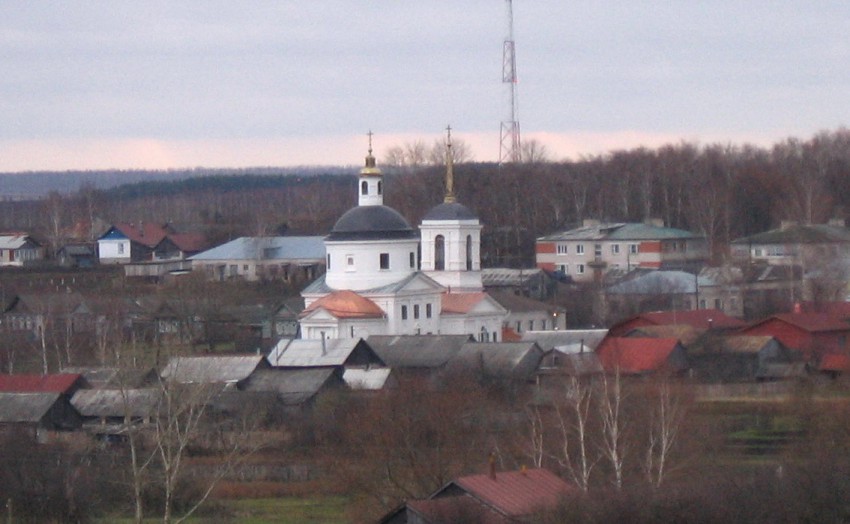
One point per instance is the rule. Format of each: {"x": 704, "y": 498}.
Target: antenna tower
{"x": 509, "y": 147}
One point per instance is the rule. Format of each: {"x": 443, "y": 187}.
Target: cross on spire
{"x": 450, "y": 176}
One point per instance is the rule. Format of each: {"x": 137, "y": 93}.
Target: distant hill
{"x": 36, "y": 184}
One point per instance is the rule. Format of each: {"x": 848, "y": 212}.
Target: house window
{"x": 234, "y": 270}
{"x": 615, "y": 249}
{"x": 427, "y": 310}
{"x": 580, "y": 269}
{"x": 385, "y": 260}
{"x": 349, "y": 261}
{"x": 531, "y": 325}
{"x": 416, "y": 311}
{"x": 245, "y": 268}
{"x": 121, "y": 248}
{"x": 580, "y": 249}
{"x": 412, "y": 260}
{"x": 633, "y": 249}
{"x": 597, "y": 250}
{"x": 562, "y": 249}
{"x": 718, "y": 304}
{"x": 439, "y": 253}
{"x": 564, "y": 268}
{"x": 702, "y": 303}
{"x": 404, "y": 312}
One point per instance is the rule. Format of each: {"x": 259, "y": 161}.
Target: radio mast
{"x": 509, "y": 144}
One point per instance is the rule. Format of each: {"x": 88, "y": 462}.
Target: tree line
{"x": 724, "y": 191}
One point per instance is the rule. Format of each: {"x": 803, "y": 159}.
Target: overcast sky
{"x": 159, "y": 84}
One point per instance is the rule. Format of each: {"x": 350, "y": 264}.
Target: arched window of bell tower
{"x": 364, "y": 188}
{"x": 439, "y": 253}
{"x": 469, "y": 252}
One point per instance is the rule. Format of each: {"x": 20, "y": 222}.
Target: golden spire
{"x": 370, "y": 168}
{"x": 450, "y": 176}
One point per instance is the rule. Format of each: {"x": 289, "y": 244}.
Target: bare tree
{"x": 612, "y": 413}
{"x": 665, "y": 420}
{"x": 574, "y": 423}
{"x": 534, "y": 152}
{"x": 461, "y": 152}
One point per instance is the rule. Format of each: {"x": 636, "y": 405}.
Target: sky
{"x": 171, "y": 84}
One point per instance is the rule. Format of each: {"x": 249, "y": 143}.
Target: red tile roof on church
{"x": 517, "y": 493}
{"x": 346, "y": 304}
{"x": 635, "y": 355}
{"x": 460, "y": 303}
{"x": 57, "y": 383}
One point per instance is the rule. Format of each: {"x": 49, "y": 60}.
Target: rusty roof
{"x": 346, "y": 304}
{"x": 56, "y": 383}
{"x": 516, "y": 493}
{"x": 460, "y": 303}
{"x": 635, "y": 355}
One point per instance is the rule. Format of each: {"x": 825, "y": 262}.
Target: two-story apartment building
{"x": 794, "y": 244}
{"x": 585, "y": 253}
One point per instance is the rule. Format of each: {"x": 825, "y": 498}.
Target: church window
{"x": 380, "y": 189}
{"x": 469, "y": 252}
{"x": 412, "y": 260}
{"x": 329, "y": 262}
{"x": 428, "y": 311}
{"x": 364, "y": 188}
{"x": 385, "y": 260}
{"x": 416, "y": 311}
{"x": 483, "y": 336}
{"x": 404, "y": 312}
{"x": 439, "y": 253}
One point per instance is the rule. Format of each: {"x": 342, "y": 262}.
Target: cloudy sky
{"x": 160, "y": 84}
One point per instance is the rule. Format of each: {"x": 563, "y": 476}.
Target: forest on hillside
{"x": 723, "y": 191}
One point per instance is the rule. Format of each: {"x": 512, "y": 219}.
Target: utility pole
{"x": 509, "y": 143}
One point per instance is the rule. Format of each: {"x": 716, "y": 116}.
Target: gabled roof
{"x": 620, "y": 231}
{"x": 465, "y": 303}
{"x": 660, "y": 281}
{"x": 513, "y": 493}
{"x": 684, "y": 333}
{"x": 56, "y": 383}
{"x": 799, "y": 234}
{"x": 293, "y": 386}
{"x": 548, "y": 340}
{"x": 297, "y": 248}
{"x": 745, "y": 343}
{"x": 810, "y": 322}
{"x": 417, "y": 351}
{"x": 26, "y": 407}
{"x": 211, "y": 369}
{"x": 114, "y": 377}
{"x": 503, "y": 276}
{"x": 834, "y": 362}
{"x": 17, "y": 241}
{"x": 305, "y": 352}
{"x": 636, "y": 355}
{"x": 115, "y": 403}
{"x": 345, "y": 304}
{"x": 144, "y": 233}
{"x": 697, "y": 318}
{"x": 520, "y": 304}
{"x": 515, "y": 360}
{"x": 454, "y": 509}
{"x": 187, "y": 242}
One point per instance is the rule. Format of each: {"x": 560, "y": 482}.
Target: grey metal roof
{"x": 302, "y": 248}
{"x": 320, "y": 286}
{"x": 516, "y": 360}
{"x": 503, "y": 276}
{"x": 104, "y": 377}
{"x": 300, "y": 352}
{"x": 450, "y": 211}
{"x": 417, "y": 351}
{"x": 661, "y": 281}
{"x": 621, "y": 231}
{"x": 371, "y": 222}
{"x": 211, "y": 369}
{"x": 26, "y": 407}
{"x": 548, "y": 340}
{"x": 292, "y": 386}
{"x": 112, "y": 403}
{"x": 519, "y": 304}
{"x": 799, "y": 234}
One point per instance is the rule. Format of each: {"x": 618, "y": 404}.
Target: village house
{"x": 126, "y": 243}
{"x": 812, "y": 334}
{"x": 794, "y": 244}
{"x": 642, "y": 356}
{"x": 586, "y": 253}
{"x": 291, "y": 259}
{"x": 19, "y": 249}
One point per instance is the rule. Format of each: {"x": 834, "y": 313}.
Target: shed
{"x": 333, "y": 352}
{"x": 232, "y": 369}
{"x": 504, "y": 360}
{"x": 641, "y": 356}
{"x": 37, "y": 412}
{"x": 418, "y": 352}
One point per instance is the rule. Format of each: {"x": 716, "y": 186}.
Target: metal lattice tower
{"x": 509, "y": 144}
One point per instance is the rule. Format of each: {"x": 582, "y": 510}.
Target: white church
{"x": 385, "y": 278}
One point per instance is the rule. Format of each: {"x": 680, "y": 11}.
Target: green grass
{"x": 330, "y": 510}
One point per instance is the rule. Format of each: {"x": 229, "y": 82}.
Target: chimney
{"x": 492, "y": 462}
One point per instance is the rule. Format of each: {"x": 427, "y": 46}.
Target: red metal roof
{"x": 517, "y": 493}
{"x": 57, "y": 383}
{"x": 346, "y": 304}
{"x": 509, "y": 335}
{"x": 460, "y": 303}
{"x": 635, "y": 355}
{"x": 814, "y": 322}
{"x": 697, "y": 318}
{"x": 189, "y": 242}
{"x": 834, "y": 362}
{"x": 145, "y": 233}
